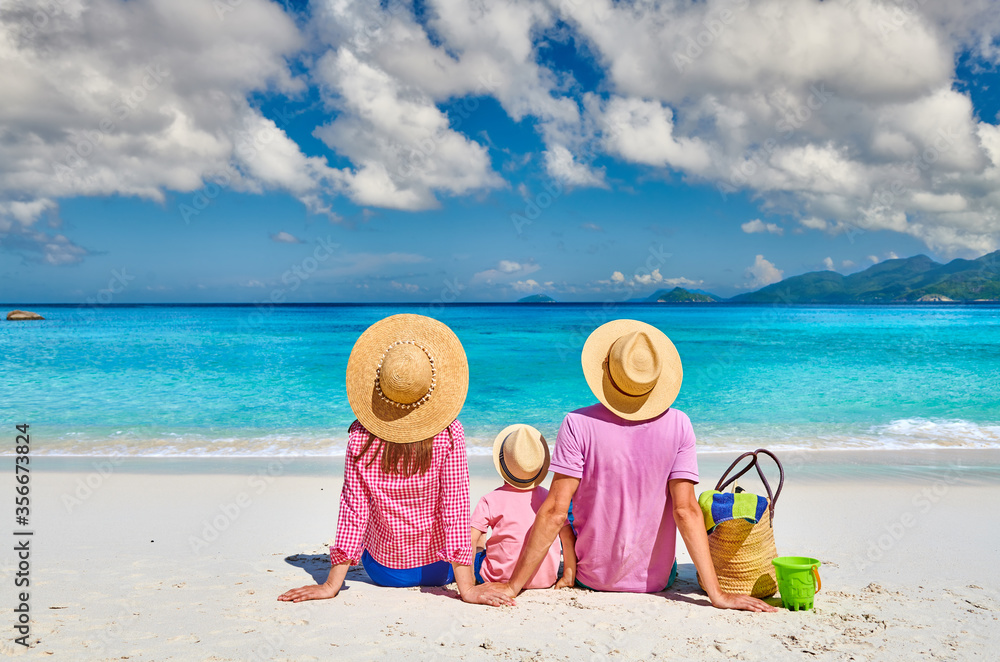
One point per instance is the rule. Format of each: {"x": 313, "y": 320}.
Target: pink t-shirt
{"x": 511, "y": 512}
{"x": 622, "y": 511}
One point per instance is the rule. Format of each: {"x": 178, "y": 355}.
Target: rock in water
{"x": 18, "y": 315}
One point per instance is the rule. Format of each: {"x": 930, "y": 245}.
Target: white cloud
{"x": 757, "y": 225}
{"x": 358, "y": 264}
{"x": 285, "y": 238}
{"x": 891, "y": 255}
{"x": 652, "y": 278}
{"x": 400, "y": 143}
{"x": 529, "y": 285}
{"x": 840, "y": 111}
{"x": 55, "y": 249}
{"x": 844, "y": 114}
{"x": 108, "y": 98}
{"x": 814, "y": 223}
{"x": 508, "y": 266}
{"x": 762, "y": 273}
{"x": 505, "y": 271}
{"x": 874, "y": 259}
{"x": 18, "y": 235}
{"x": 410, "y": 288}
{"x": 486, "y": 49}
{"x": 847, "y": 264}
{"x": 642, "y": 132}
{"x": 562, "y": 165}
{"x": 828, "y": 263}
{"x": 592, "y": 226}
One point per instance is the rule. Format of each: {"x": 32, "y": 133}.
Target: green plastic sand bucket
{"x": 798, "y": 581}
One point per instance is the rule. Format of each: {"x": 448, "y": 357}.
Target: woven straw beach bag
{"x": 741, "y": 551}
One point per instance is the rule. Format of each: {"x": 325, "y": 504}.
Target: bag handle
{"x": 771, "y": 497}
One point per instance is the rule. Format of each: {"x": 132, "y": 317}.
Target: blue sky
{"x": 348, "y": 152}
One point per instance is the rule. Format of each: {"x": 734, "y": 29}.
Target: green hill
{"x": 680, "y": 295}
{"x": 905, "y": 279}
{"x": 537, "y": 298}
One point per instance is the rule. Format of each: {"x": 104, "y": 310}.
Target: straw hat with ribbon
{"x": 632, "y": 368}
{"x": 521, "y": 456}
{"x": 407, "y": 378}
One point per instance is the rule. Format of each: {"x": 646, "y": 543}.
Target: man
{"x": 628, "y": 465}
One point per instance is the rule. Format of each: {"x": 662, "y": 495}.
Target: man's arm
{"x": 691, "y": 523}
{"x": 549, "y": 520}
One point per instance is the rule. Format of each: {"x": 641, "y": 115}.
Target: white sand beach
{"x": 160, "y": 566}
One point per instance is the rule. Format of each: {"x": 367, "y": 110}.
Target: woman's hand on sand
{"x": 495, "y": 595}
{"x": 744, "y": 602}
{"x": 311, "y": 592}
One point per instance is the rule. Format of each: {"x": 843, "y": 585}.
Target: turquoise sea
{"x": 248, "y": 381}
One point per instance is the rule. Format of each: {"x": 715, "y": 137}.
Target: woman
{"x": 404, "y": 508}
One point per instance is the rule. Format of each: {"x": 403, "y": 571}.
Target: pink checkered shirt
{"x": 405, "y": 522}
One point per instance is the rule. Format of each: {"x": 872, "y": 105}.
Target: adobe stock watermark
{"x": 42, "y": 17}
{"x": 417, "y": 154}
{"x": 230, "y": 511}
{"x": 274, "y": 640}
{"x": 922, "y": 502}
{"x": 450, "y": 291}
{"x": 292, "y": 279}
{"x": 87, "y": 486}
{"x": 371, "y": 31}
{"x": 942, "y": 142}
{"x": 85, "y": 143}
{"x": 117, "y": 284}
{"x": 757, "y": 328}
{"x": 791, "y": 120}
{"x": 712, "y": 27}
{"x": 901, "y": 13}
{"x": 224, "y": 7}
{"x": 536, "y": 204}
{"x": 111, "y": 637}
{"x": 247, "y": 147}
{"x": 570, "y": 346}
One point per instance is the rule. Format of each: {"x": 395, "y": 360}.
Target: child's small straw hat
{"x": 521, "y": 456}
{"x": 632, "y": 368}
{"x": 407, "y": 378}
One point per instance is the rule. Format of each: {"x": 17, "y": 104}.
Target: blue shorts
{"x": 433, "y": 574}
{"x": 480, "y": 555}
{"x": 670, "y": 580}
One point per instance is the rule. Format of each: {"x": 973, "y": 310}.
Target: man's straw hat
{"x": 521, "y": 456}
{"x": 632, "y": 368}
{"x": 407, "y": 378}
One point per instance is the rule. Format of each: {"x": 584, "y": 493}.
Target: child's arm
{"x": 475, "y": 534}
{"x": 568, "y": 539}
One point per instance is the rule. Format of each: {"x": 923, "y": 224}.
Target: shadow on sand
{"x": 318, "y": 567}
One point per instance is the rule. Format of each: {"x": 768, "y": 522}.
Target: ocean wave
{"x": 901, "y": 434}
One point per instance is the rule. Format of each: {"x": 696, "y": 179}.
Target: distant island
{"x": 537, "y": 298}
{"x": 912, "y": 279}
{"x": 916, "y": 279}
{"x": 680, "y": 295}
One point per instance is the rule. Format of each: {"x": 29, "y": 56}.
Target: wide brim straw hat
{"x": 407, "y": 378}
{"x": 632, "y": 368}
{"x": 521, "y": 456}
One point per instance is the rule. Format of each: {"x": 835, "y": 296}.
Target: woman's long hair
{"x": 400, "y": 459}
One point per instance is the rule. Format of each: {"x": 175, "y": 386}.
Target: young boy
{"x": 521, "y": 457}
